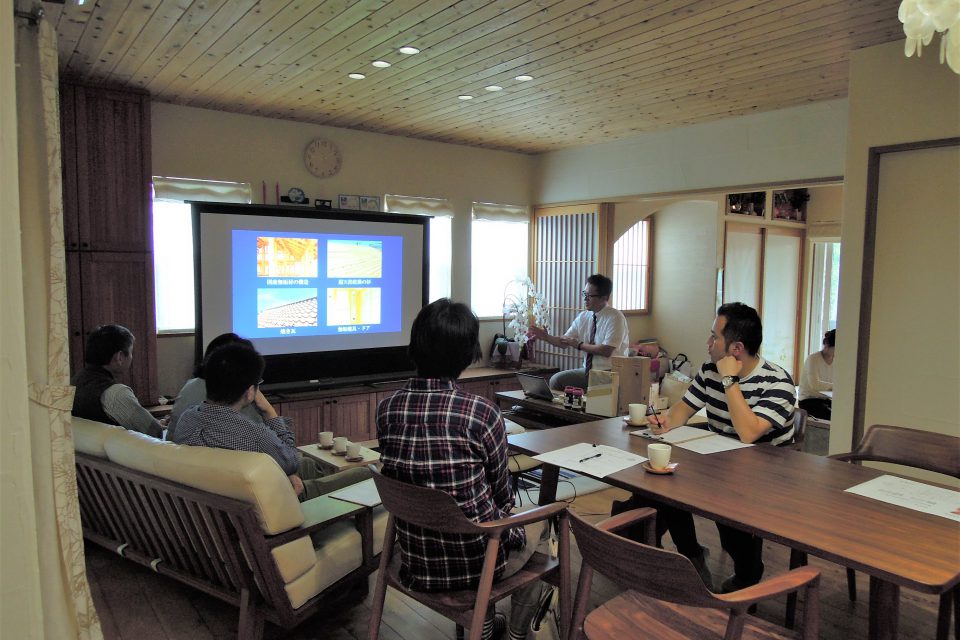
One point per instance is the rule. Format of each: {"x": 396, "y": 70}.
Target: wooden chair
{"x": 436, "y": 510}
{"x": 665, "y": 596}
{"x": 799, "y": 428}
{"x": 926, "y": 450}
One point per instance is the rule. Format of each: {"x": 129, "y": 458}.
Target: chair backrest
{"x": 799, "y": 427}
{"x": 424, "y": 507}
{"x": 937, "y": 452}
{"x": 656, "y": 573}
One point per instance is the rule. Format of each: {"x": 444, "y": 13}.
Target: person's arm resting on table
{"x": 675, "y": 417}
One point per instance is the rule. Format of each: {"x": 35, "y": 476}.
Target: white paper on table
{"x": 674, "y": 436}
{"x": 713, "y": 444}
{"x": 364, "y": 493}
{"x": 912, "y": 495}
{"x": 583, "y": 458}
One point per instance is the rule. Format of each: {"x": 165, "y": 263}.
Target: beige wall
{"x": 895, "y": 100}
{"x": 199, "y": 143}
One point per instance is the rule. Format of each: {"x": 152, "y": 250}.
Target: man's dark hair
{"x": 444, "y": 339}
{"x": 830, "y": 338}
{"x": 230, "y": 371}
{"x": 743, "y": 325}
{"x": 603, "y": 284}
{"x": 104, "y": 341}
{"x": 221, "y": 340}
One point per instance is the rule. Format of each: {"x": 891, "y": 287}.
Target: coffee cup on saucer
{"x": 638, "y": 413}
{"x": 353, "y": 450}
{"x": 326, "y": 439}
{"x": 659, "y": 455}
{"x": 340, "y": 444}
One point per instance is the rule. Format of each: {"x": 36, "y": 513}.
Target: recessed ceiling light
{"x": 523, "y": 78}
{"x": 356, "y": 76}
{"x": 494, "y": 87}
{"x": 380, "y": 64}
{"x": 408, "y": 50}
{"x": 466, "y": 96}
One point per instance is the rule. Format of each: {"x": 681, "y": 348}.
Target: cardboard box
{"x": 602, "y": 392}
{"x": 635, "y": 375}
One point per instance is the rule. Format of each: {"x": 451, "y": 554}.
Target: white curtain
{"x": 45, "y": 592}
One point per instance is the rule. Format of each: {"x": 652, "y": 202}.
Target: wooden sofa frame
{"x": 210, "y": 542}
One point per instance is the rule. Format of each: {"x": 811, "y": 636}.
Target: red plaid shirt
{"x": 433, "y": 434}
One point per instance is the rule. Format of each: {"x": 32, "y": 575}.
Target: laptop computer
{"x": 536, "y": 387}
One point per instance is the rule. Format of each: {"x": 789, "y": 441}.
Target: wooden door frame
{"x": 874, "y": 156}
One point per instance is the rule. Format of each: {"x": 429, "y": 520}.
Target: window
{"x": 441, "y": 234}
{"x": 502, "y": 231}
{"x": 631, "y": 269}
{"x": 173, "y": 244}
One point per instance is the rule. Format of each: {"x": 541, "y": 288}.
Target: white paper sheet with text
{"x": 595, "y": 460}
{"x": 912, "y": 495}
{"x": 713, "y": 444}
{"x": 674, "y": 436}
{"x": 364, "y": 493}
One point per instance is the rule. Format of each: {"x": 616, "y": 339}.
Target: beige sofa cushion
{"x": 255, "y": 478}
{"x": 89, "y": 436}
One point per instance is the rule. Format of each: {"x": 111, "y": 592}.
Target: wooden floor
{"x": 137, "y": 604}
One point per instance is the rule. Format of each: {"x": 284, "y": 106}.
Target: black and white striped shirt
{"x": 768, "y": 390}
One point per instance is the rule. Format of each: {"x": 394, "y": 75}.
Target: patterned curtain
{"x": 68, "y": 609}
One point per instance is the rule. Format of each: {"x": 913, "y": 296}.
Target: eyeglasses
{"x": 591, "y": 295}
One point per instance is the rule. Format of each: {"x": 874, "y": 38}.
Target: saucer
{"x": 635, "y": 424}
{"x": 339, "y": 453}
{"x": 325, "y": 446}
{"x": 357, "y": 459}
{"x": 670, "y": 468}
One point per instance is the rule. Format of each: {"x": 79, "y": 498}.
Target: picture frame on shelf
{"x": 369, "y": 203}
{"x": 348, "y": 202}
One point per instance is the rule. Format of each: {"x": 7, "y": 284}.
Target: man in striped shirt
{"x": 746, "y": 398}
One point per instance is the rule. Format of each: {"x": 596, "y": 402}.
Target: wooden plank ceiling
{"x": 602, "y": 70}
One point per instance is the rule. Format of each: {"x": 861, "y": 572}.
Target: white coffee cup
{"x": 353, "y": 449}
{"x": 326, "y": 439}
{"x": 340, "y": 444}
{"x": 659, "y": 454}
{"x": 638, "y": 412}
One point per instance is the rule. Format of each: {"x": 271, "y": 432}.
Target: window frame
{"x": 647, "y": 271}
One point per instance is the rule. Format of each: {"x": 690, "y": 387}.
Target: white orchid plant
{"x": 523, "y": 306}
{"x": 922, "y": 18}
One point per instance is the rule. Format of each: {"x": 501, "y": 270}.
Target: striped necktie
{"x": 588, "y": 363}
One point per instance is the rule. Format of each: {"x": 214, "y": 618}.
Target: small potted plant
{"x": 523, "y": 306}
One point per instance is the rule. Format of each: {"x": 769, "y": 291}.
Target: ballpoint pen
{"x": 655, "y": 416}
{"x": 597, "y": 455}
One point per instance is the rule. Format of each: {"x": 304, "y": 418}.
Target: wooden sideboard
{"x": 351, "y": 411}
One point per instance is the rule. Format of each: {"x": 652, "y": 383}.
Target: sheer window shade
{"x": 418, "y": 206}
{"x": 503, "y": 229}
{"x": 500, "y": 212}
{"x": 183, "y": 189}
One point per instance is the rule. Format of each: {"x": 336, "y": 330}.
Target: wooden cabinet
{"x": 489, "y": 388}
{"x": 107, "y": 225}
{"x": 346, "y": 415}
{"x": 106, "y": 168}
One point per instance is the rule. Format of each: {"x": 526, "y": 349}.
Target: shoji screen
{"x": 568, "y": 244}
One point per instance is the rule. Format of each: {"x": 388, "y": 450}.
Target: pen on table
{"x": 597, "y": 455}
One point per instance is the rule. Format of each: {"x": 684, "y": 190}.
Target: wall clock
{"x": 322, "y": 158}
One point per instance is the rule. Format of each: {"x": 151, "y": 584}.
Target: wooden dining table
{"x": 789, "y": 497}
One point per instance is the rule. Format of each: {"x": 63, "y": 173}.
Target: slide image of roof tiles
{"x": 286, "y": 308}
{"x": 286, "y": 257}
{"x": 354, "y": 259}
{"x": 353, "y": 306}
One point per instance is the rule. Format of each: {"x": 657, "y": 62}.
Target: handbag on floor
{"x": 545, "y": 624}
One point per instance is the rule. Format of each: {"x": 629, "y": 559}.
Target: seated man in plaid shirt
{"x": 232, "y": 375}
{"x": 434, "y": 434}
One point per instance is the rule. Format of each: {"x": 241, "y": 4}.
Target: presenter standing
{"x": 600, "y": 332}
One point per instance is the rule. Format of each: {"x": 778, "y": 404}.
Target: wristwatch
{"x": 729, "y": 381}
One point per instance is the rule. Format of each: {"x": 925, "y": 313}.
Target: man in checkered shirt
{"x": 232, "y": 375}
{"x": 434, "y": 434}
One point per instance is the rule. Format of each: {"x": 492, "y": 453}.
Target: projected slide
{"x": 303, "y": 284}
